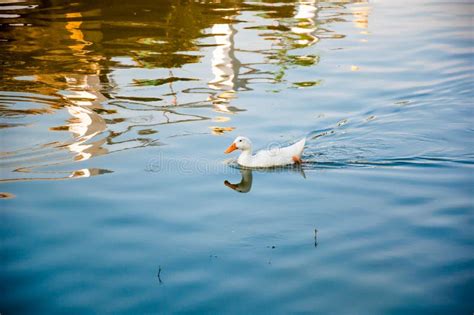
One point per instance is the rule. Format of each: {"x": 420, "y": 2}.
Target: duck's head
{"x": 240, "y": 143}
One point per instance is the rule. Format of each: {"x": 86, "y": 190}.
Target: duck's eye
{"x": 240, "y": 140}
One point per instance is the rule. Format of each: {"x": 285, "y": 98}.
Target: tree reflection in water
{"x": 120, "y": 70}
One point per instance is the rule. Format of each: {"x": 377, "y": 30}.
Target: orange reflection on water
{"x": 76, "y": 57}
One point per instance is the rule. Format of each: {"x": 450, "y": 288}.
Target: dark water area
{"x": 116, "y": 196}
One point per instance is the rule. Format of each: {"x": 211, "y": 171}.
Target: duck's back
{"x": 296, "y": 149}
{"x": 275, "y": 157}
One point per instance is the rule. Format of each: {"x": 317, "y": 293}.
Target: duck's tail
{"x": 299, "y": 146}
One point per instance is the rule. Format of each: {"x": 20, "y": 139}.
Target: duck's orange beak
{"x": 231, "y": 148}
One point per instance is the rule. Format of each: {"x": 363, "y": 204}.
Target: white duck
{"x": 266, "y": 158}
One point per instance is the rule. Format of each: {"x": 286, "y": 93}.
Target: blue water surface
{"x": 117, "y": 197}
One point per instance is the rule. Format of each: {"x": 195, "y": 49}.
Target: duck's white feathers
{"x": 273, "y": 157}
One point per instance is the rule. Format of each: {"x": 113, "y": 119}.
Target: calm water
{"x": 116, "y": 197}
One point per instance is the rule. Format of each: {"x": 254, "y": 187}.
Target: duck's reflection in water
{"x": 245, "y": 184}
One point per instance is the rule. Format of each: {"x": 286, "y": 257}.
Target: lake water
{"x": 118, "y": 198}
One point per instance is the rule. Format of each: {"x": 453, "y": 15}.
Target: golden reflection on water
{"x": 82, "y": 99}
{"x": 306, "y": 25}
{"x": 73, "y": 59}
{"x": 361, "y": 12}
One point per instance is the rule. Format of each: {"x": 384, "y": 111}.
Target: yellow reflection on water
{"x": 221, "y": 130}
{"x": 361, "y": 12}
{"x": 83, "y": 98}
{"x": 77, "y": 59}
{"x": 76, "y": 34}
{"x": 306, "y": 26}
{"x": 223, "y": 67}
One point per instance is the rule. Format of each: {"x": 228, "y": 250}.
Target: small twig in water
{"x": 315, "y": 237}
{"x": 159, "y": 273}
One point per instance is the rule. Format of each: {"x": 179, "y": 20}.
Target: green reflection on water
{"x": 89, "y": 61}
